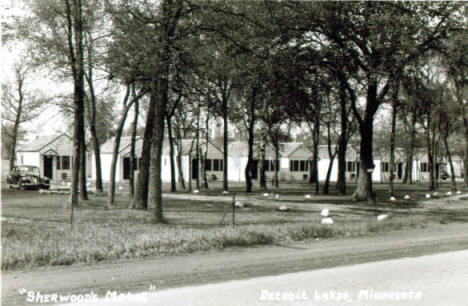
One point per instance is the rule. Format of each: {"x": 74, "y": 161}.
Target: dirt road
{"x": 40, "y": 285}
{"x": 439, "y": 279}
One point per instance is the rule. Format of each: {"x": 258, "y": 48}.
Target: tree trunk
{"x": 343, "y": 142}
{"x": 205, "y": 155}
{"x": 430, "y": 154}
{"x": 364, "y": 191}
{"x": 92, "y": 128}
{"x": 248, "y": 168}
{"x": 314, "y": 175}
{"x": 179, "y": 158}
{"x": 465, "y": 161}
{"x": 115, "y": 151}
{"x": 171, "y": 154}
{"x": 326, "y": 187}
{"x": 156, "y": 153}
{"x": 75, "y": 47}
{"x": 277, "y": 159}
{"x": 133, "y": 160}
{"x": 392, "y": 142}
{"x": 262, "y": 166}
{"x": 408, "y": 176}
{"x": 190, "y": 166}
{"x": 83, "y": 178}
{"x": 225, "y": 143}
{"x": 15, "y": 133}
{"x": 331, "y": 155}
{"x": 341, "y": 181}
{"x": 197, "y": 149}
{"x": 452, "y": 169}
{"x": 97, "y": 159}
{"x": 140, "y": 198}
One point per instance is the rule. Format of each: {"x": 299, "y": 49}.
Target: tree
{"x": 59, "y": 44}
{"x": 19, "y": 105}
{"x": 127, "y": 104}
{"x": 133, "y": 159}
{"x": 74, "y": 17}
{"x": 378, "y": 39}
{"x": 455, "y": 60}
{"x": 95, "y": 33}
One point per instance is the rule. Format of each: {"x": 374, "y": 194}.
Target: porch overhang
{"x": 50, "y": 152}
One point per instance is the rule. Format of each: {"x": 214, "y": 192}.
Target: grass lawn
{"x": 36, "y": 229}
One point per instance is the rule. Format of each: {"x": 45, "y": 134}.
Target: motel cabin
{"x": 51, "y": 154}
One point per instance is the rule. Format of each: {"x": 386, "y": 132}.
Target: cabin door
{"x": 48, "y": 166}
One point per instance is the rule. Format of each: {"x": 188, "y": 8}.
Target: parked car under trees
{"x": 24, "y": 177}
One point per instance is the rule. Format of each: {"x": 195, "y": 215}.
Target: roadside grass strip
{"x": 28, "y": 245}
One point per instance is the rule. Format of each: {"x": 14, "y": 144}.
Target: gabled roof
{"x": 241, "y": 149}
{"x": 125, "y": 142}
{"x": 303, "y": 151}
{"x": 238, "y": 149}
{"x": 40, "y": 142}
{"x": 125, "y": 145}
{"x": 187, "y": 145}
{"x": 385, "y": 156}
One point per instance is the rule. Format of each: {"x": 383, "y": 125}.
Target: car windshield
{"x": 29, "y": 169}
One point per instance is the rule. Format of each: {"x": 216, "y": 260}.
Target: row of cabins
{"x": 53, "y": 155}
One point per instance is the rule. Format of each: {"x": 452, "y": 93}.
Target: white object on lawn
{"x": 307, "y": 196}
{"x": 449, "y": 193}
{"x": 265, "y": 194}
{"x": 428, "y": 196}
{"x": 325, "y": 212}
{"x": 196, "y": 191}
{"x": 277, "y": 196}
{"x": 392, "y": 199}
{"x": 435, "y": 194}
{"x": 407, "y": 197}
{"x": 239, "y": 204}
{"x": 120, "y": 187}
{"x": 225, "y": 192}
{"x": 458, "y": 192}
{"x": 328, "y": 221}
{"x": 382, "y": 217}
{"x": 68, "y": 184}
{"x": 283, "y": 208}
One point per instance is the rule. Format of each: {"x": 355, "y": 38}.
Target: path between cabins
{"x": 448, "y": 202}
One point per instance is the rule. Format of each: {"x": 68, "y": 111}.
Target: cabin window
{"x": 351, "y": 166}
{"x": 218, "y": 164}
{"x": 385, "y": 166}
{"x": 298, "y": 165}
{"x": 63, "y": 162}
{"x": 293, "y": 165}
{"x": 424, "y": 167}
{"x": 269, "y": 165}
{"x": 304, "y": 165}
{"x": 214, "y": 165}
{"x": 208, "y": 164}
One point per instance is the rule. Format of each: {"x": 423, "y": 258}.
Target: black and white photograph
{"x": 245, "y": 152}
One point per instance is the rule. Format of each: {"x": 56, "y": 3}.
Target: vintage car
{"x": 27, "y": 177}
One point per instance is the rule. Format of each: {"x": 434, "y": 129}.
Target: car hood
{"x": 29, "y": 174}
